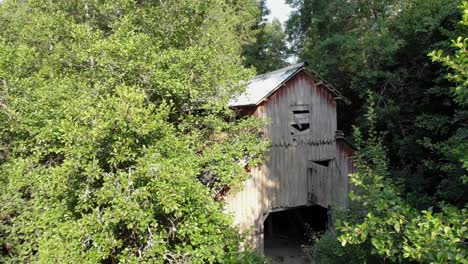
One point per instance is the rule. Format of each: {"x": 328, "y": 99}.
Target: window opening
{"x": 300, "y": 119}
{"x": 301, "y": 127}
{"x": 301, "y": 111}
{"x": 324, "y": 163}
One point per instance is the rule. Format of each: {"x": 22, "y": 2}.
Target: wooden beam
{"x": 265, "y": 216}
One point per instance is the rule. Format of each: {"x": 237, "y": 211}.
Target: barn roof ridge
{"x": 284, "y": 69}
{"x": 262, "y": 86}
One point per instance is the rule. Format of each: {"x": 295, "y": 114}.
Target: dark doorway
{"x": 286, "y": 231}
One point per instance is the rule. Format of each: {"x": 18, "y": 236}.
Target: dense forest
{"x": 114, "y": 113}
{"x": 387, "y": 57}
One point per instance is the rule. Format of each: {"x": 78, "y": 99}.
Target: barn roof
{"x": 262, "y": 86}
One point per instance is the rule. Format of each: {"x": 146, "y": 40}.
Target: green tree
{"x": 380, "y": 226}
{"x": 458, "y": 62}
{"x": 456, "y": 147}
{"x": 396, "y": 230}
{"x": 380, "y": 217}
{"x": 269, "y": 51}
{"x": 113, "y": 115}
{"x": 383, "y": 219}
{"x": 383, "y": 46}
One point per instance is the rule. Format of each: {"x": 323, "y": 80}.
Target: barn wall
{"x": 285, "y": 179}
{"x": 300, "y": 90}
{"x": 345, "y": 154}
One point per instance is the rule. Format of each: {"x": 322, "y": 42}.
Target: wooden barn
{"x": 309, "y": 161}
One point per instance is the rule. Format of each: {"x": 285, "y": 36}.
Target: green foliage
{"x": 394, "y": 228}
{"x": 326, "y": 249}
{"x": 269, "y": 52}
{"x": 382, "y": 46}
{"x": 456, "y": 147}
{"x": 458, "y": 62}
{"x": 110, "y": 113}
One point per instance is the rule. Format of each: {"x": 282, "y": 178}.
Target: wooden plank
{"x": 300, "y": 119}
{"x": 299, "y": 133}
{"x": 299, "y": 107}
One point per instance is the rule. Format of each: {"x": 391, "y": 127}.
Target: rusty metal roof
{"x": 262, "y": 86}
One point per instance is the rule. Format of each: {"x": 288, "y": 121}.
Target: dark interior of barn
{"x": 286, "y": 231}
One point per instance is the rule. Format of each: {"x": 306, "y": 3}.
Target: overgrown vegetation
{"x": 382, "y": 227}
{"x": 394, "y": 228}
{"x": 269, "y": 51}
{"x": 382, "y": 46}
{"x": 382, "y": 222}
{"x": 110, "y": 113}
{"x": 115, "y": 145}
{"x": 409, "y": 201}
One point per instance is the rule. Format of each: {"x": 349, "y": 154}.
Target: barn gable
{"x": 300, "y": 112}
{"x": 299, "y": 105}
{"x": 262, "y": 86}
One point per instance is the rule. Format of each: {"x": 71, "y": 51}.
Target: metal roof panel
{"x": 262, "y": 86}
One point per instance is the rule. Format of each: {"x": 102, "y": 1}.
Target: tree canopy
{"x": 117, "y": 143}
{"x": 112, "y": 113}
{"x": 382, "y": 46}
{"x": 409, "y": 199}
{"x": 270, "y": 50}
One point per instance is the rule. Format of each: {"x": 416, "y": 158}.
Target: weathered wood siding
{"x": 285, "y": 179}
{"x": 344, "y": 159}
{"x": 300, "y": 90}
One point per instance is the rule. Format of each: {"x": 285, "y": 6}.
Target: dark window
{"x": 324, "y": 163}
{"x": 300, "y": 120}
{"x": 301, "y": 111}
{"x": 302, "y": 127}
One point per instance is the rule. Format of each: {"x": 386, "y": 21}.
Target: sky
{"x": 278, "y": 9}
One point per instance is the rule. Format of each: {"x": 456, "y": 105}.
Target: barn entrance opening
{"x": 286, "y": 231}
